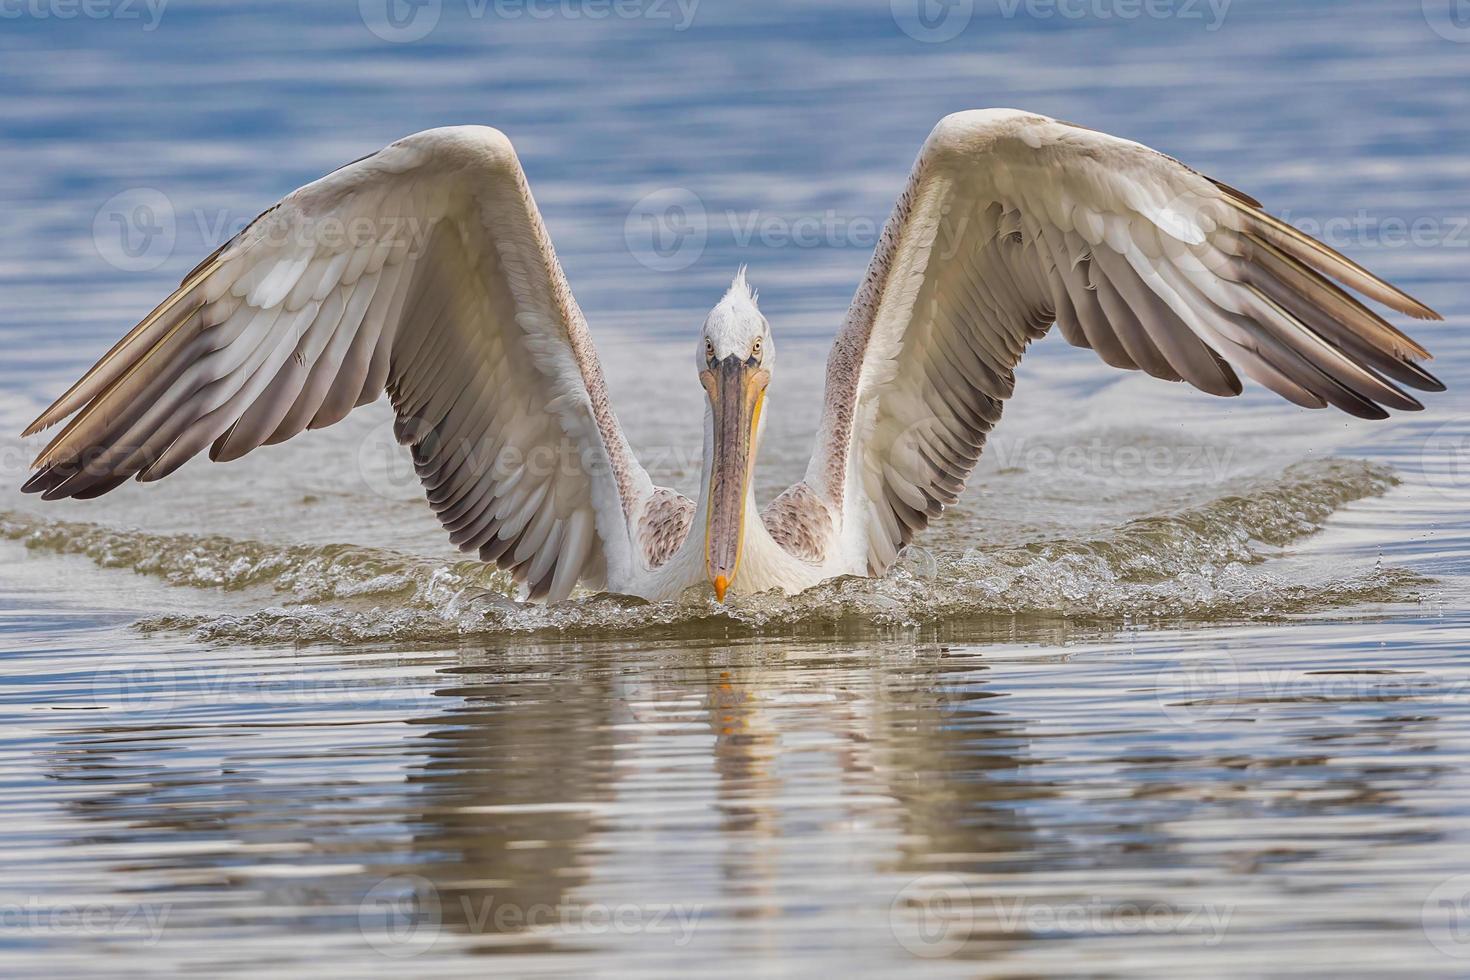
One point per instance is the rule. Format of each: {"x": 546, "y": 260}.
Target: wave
{"x": 1207, "y": 562}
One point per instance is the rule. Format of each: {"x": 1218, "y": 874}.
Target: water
{"x": 1178, "y": 688}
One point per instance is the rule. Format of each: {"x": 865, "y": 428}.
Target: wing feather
{"x": 423, "y": 270}
{"x": 1012, "y": 221}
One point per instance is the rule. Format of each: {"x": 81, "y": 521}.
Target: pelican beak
{"x": 736, "y": 388}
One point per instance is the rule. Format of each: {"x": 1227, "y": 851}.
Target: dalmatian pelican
{"x": 425, "y": 271}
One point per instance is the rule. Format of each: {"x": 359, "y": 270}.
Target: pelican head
{"x": 734, "y": 359}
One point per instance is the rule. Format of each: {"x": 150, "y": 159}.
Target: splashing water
{"x": 1202, "y": 563}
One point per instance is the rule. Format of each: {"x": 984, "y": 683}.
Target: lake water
{"x": 1179, "y": 688}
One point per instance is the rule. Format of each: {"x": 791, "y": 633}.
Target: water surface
{"x": 1176, "y": 689}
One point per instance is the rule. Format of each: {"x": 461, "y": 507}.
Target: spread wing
{"x": 1012, "y": 221}
{"x": 423, "y": 270}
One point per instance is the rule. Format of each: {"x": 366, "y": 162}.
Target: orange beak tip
{"x": 721, "y": 584}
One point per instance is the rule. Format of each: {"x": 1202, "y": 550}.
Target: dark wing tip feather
{"x": 37, "y": 482}
{"x": 1329, "y": 261}
{"x": 1383, "y": 351}
{"x": 1421, "y": 379}
{"x": 1238, "y": 194}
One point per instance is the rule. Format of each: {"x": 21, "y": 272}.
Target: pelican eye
{"x": 709, "y": 350}
{"x": 755, "y": 350}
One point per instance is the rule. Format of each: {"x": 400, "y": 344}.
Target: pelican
{"x": 424, "y": 270}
